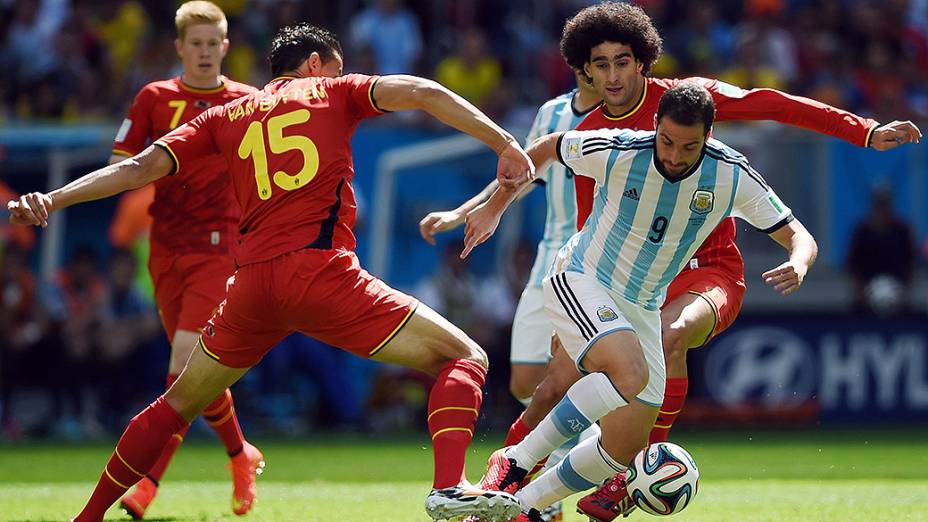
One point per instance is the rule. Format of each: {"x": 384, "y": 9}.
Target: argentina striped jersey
{"x": 644, "y": 227}
{"x": 555, "y": 115}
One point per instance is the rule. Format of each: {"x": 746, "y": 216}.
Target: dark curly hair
{"x": 687, "y": 103}
{"x": 611, "y": 22}
{"x": 295, "y": 43}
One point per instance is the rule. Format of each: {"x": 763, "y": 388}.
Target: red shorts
{"x": 324, "y": 294}
{"x": 188, "y": 288}
{"x": 723, "y": 291}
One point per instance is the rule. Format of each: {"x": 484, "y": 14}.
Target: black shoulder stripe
{"x": 614, "y": 147}
{"x": 780, "y": 224}
{"x": 741, "y": 162}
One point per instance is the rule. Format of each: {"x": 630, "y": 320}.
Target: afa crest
{"x": 703, "y": 201}
{"x": 606, "y": 314}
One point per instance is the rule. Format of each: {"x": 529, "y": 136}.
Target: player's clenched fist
{"x": 514, "y": 168}
{"x": 30, "y": 209}
{"x": 786, "y": 278}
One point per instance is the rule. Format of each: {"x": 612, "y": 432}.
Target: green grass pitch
{"x": 802, "y": 476}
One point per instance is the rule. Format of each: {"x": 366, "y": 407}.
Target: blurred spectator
{"x": 391, "y": 33}
{"x": 127, "y": 323}
{"x": 748, "y": 71}
{"x": 452, "y": 291}
{"x": 24, "y": 237}
{"x": 706, "y": 43}
{"x": 21, "y": 330}
{"x": 29, "y": 48}
{"x": 75, "y": 302}
{"x": 334, "y": 388}
{"x": 471, "y": 71}
{"x": 881, "y": 258}
{"x": 130, "y": 230}
{"x": 90, "y": 57}
{"x": 776, "y": 46}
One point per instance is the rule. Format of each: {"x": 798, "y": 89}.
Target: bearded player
{"x": 616, "y": 44}
{"x": 192, "y": 234}
{"x": 287, "y": 147}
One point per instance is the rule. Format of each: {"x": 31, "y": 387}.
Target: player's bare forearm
{"x": 403, "y": 92}
{"x": 116, "y": 158}
{"x": 131, "y": 173}
{"x": 803, "y": 250}
{"x": 544, "y": 150}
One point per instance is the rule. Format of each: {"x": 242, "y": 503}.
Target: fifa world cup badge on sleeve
{"x": 703, "y": 201}
{"x": 572, "y": 148}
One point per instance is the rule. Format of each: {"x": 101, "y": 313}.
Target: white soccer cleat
{"x": 463, "y": 500}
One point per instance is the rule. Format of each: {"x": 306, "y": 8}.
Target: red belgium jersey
{"x": 288, "y": 149}
{"x": 731, "y": 104}
{"x": 194, "y": 211}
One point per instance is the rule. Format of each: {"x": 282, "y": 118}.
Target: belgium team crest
{"x": 703, "y": 201}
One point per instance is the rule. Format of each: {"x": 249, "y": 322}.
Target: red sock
{"x": 220, "y": 415}
{"x": 517, "y": 432}
{"x": 157, "y": 471}
{"x": 135, "y": 454}
{"x": 453, "y": 407}
{"x": 674, "y": 397}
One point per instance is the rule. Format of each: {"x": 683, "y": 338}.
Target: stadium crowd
{"x": 78, "y": 60}
{"x": 70, "y": 61}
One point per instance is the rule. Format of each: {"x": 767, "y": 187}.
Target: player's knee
{"x": 630, "y": 377}
{"x": 675, "y": 341}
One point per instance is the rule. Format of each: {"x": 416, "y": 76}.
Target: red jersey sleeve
{"x": 734, "y": 103}
{"x": 360, "y": 94}
{"x": 133, "y": 135}
{"x": 192, "y": 140}
{"x": 583, "y": 185}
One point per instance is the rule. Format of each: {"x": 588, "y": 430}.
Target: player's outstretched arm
{"x": 481, "y": 222}
{"x": 733, "y": 103}
{"x": 403, "y": 92}
{"x": 788, "y": 277}
{"x": 147, "y": 166}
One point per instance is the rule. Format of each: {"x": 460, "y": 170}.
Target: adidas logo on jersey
{"x": 631, "y": 193}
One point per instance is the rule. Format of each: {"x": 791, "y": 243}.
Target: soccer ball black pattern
{"x": 663, "y": 479}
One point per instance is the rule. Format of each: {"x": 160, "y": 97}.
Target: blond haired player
{"x": 193, "y": 232}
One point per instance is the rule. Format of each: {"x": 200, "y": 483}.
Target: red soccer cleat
{"x": 245, "y": 466}
{"x": 136, "y": 502}
{"x": 608, "y": 502}
{"x": 503, "y": 474}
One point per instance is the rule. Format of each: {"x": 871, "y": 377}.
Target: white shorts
{"x": 531, "y": 329}
{"x": 582, "y": 311}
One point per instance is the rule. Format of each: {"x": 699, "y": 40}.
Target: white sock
{"x": 558, "y": 455}
{"x": 585, "y": 467}
{"x": 587, "y": 401}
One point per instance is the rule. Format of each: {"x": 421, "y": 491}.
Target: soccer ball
{"x": 662, "y": 479}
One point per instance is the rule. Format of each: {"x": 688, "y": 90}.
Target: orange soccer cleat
{"x": 245, "y": 466}
{"x": 503, "y": 474}
{"x": 136, "y": 502}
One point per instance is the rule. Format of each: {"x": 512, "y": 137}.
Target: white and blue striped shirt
{"x": 644, "y": 227}
{"x": 555, "y": 115}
